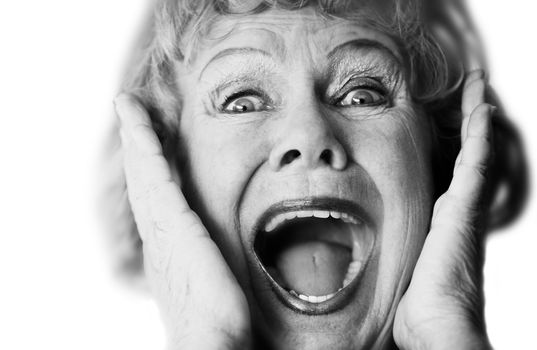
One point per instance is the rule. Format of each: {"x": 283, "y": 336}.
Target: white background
{"x": 60, "y": 66}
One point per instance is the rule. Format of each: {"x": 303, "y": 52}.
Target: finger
{"x": 474, "y": 75}
{"x": 136, "y": 127}
{"x": 158, "y": 204}
{"x": 473, "y": 96}
{"x": 470, "y": 172}
{"x": 127, "y": 109}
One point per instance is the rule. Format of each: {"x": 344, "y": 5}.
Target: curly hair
{"x": 439, "y": 43}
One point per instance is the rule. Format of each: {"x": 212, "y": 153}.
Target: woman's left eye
{"x": 361, "y": 97}
{"x": 245, "y": 104}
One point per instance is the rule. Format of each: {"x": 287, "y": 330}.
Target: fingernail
{"x": 479, "y": 73}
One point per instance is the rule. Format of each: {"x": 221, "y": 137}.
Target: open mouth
{"x": 314, "y": 252}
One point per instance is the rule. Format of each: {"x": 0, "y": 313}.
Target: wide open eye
{"x": 361, "y": 97}
{"x": 245, "y": 102}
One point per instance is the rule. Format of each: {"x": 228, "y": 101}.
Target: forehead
{"x": 299, "y": 34}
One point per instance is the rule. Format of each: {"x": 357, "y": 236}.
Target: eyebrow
{"x": 340, "y": 50}
{"x": 360, "y": 44}
{"x": 234, "y": 51}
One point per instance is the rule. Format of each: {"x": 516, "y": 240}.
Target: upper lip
{"x": 311, "y": 203}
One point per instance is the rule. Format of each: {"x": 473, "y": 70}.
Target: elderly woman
{"x": 293, "y": 174}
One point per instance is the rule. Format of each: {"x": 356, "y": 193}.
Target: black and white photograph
{"x": 268, "y": 174}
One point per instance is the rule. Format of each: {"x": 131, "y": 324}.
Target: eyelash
{"x": 243, "y": 93}
{"x": 361, "y": 83}
{"x": 353, "y": 84}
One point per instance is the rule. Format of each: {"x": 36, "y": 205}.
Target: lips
{"x": 314, "y": 251}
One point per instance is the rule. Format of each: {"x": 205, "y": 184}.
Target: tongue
{"x": 313, "y": 268}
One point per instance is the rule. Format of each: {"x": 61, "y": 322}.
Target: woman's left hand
{"x": 443, "y": 305}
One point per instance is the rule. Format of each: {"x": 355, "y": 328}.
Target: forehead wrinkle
{"x": 244, "y": 33}
{"x": 239, "y": 40}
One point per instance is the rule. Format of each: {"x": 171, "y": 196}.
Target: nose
{"x": 307, "y": 140}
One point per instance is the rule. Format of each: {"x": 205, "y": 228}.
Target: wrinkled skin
{"x": 240, "y": 156}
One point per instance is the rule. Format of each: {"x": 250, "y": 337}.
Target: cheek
{"x": 220, "y": 160}
{"x": 396, "y": 151}
{"x": 405, "y": 155}
{"x": 410, "y": 188}
{"x": 222, "y": 157}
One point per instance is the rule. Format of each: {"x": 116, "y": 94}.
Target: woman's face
{"x": 310, "y": 165}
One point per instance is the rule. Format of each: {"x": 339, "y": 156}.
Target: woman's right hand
{"x": 202, "y": 304}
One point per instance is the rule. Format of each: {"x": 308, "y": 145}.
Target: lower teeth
{"x": 312, "y": 298}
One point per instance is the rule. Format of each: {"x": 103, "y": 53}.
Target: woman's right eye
{"x": 245, "y": 103}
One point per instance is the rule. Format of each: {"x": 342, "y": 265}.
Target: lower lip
{"x": 337, "y": 302}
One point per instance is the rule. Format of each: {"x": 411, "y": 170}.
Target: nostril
{"x": 290, "y": 156}
{"x": 326, "y": 156}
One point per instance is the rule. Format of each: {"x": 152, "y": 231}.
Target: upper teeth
{"x": 281, "y": 218}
